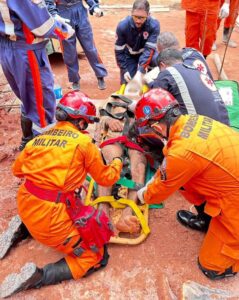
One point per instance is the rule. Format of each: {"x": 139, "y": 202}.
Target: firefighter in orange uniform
{"x": 228, "y": 23}
{"x": 201, "y": 159}
{"x": 54, "y": 165}
{"x": 201, "y": 23}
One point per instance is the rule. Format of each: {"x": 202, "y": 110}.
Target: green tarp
{"x": 229, "y": 91}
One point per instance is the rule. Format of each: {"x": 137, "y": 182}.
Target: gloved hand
{"x": 149, "y": 77}
{"x": 64, "y": 21}
{"x": 224, "y": 11}
{"x": 140, "y": 195}
{"x": 127, "y": 76}
{"x": 98, "y": 12}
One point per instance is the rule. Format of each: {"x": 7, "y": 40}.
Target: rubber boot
{"x": 27, "y": 134}
{"x": 15, "y": 233}
{"x": 31, "y": 276}
{"x": 214, "y": 275}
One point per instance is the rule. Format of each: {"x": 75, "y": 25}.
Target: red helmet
{"x": 77, "y": 105}
{"x": 153, "y": 105}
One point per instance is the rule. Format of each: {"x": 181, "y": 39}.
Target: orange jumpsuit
{"x": 59, "y": 160}
{"x": 202, "y": 156}
{"x": 230, "y": 20}
{"x": 201, "y": 23}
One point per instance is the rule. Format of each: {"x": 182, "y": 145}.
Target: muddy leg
{"x": 128, "y": 222}
{"x": 109, "y": 152}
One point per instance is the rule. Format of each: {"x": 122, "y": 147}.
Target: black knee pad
{"x": 215, "y": 275}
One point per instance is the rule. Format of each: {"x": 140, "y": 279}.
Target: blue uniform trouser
{"x": 28, "y": 72}
{"x": 78, "y": 16}
{"x": 132, "y": 65}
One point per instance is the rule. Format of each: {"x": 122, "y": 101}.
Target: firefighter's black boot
{"x": 15, "y": 233}
{"x": 198, "y": 221}
{"x": 27, "y": 134}
{"x": 31, "y": 276}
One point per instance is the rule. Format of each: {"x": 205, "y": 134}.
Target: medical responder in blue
{"x": 23, "y": 27}
{"x": 74, "y": 12}
{"x": 136, "y": 42}
{"x": 193, "y": 89}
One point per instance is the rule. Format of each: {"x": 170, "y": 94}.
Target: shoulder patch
{"x": 208, "y": 82}
{"x": 145, "y": 35}
{"x": 200, "y": 66}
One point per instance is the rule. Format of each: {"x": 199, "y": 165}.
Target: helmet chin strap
{"x": 76, "y": 122}
{"x": 157, "y": 129}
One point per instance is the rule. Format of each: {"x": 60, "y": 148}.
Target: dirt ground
{"x": 155, "y": 269}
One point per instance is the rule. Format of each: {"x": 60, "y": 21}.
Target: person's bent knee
{"x": 215, "y": 275}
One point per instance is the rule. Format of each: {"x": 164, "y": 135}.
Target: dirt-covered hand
{"x": 114, "y": 125}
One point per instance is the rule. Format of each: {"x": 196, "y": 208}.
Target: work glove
{"x": 62, "y": 20}
{"x": 98, "y": 12}
{"x": 127, "y": 76}
{"x": 224, "y": 11}
{"x": 140, "y": 193}
{"x": 66, "y": 22}
{"x": 149, "y": 77}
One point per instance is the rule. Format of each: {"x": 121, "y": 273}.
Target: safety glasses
{"x": 139, "y": 18}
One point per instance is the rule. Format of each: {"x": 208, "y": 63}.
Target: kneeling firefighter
{"x": 54, "y": 165}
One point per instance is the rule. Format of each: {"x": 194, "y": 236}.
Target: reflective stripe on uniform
{"x": 183, "y": 90}
{"x": 44, "y": 28}
{"x": 39, "y": 129}
{"x": 131, "y": 51}
{"x": 151, "y": 45}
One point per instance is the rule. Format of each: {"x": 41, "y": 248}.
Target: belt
{"x": 68, "y": 4}
{"x": 48, "y": 195}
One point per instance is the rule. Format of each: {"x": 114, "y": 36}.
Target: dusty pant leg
{"x": 213, "y": 256}
{"x": 192, "y": 30}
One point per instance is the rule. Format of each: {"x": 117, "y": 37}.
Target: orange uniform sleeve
{"x": 105, "y": 175}
{"x": 178, "y": 171}
{"x": 17, "y": 165}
